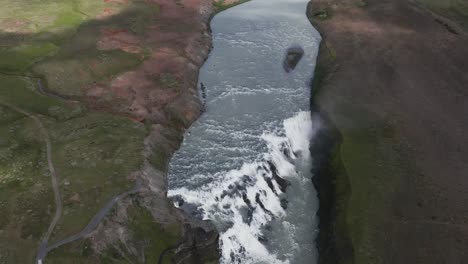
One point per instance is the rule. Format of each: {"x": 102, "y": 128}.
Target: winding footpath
{"x": 92, "y": 225}
{"x": 98, "y": 217}
{"x": 54, "y": 180}
{"x": 43, "y": 91}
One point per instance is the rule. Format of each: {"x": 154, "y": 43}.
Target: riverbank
{"x": 391, "y": 78}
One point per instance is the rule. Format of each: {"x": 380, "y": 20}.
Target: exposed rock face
{"x": 293, "y": 56}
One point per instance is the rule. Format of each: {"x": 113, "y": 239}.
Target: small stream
{"x": 245, "y": 164}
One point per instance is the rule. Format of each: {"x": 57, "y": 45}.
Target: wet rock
{"x": 260, "y": 203}
{"x": 247, "y": 180}
{"x": 247, "y": 217}
{"x": 203, "y": 93}
{"x": 199, "y": 246}
{"x": 270, "y": 185}
{"x": 283, "y": 184}
{"x": 246, "y": 200}
{"x": 178, "y": 200}
{"x": 293, "y": 56}
{"x": 284, "y": 203}
{"x": 262, "y": 239}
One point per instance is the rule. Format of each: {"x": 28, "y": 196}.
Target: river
{"x": 255, "y": 133}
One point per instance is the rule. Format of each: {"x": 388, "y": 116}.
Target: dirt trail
{"x": 43, "y": 247}
{"x": 92, "y": 225}
{"x": 54, "y": 180}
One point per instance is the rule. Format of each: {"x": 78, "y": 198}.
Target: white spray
{"x": 242, "y": 202}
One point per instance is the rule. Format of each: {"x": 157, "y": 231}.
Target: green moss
{"x": 152, "y": 237}
{"x": 357, "y": 157}
{"x": 342, "y": 192}
{"x": 362, "y": 3}
{"x": 168, "y": 80}
{"x": 366, "y": 166}
{"x": 68, "y": 19}
{"x": 331, "y": 52}
{"x": 18, "y": 59}
{"x": 23, "y": 92}
{"x": 159, "y": 158}
{"x": 42, "y": 13}
{"x": 366, "y": 179}
{"x": 77, "y": 252}
{"x": 322, "y": 14}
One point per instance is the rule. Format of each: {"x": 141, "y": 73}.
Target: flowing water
{"x": 254, "y": 135}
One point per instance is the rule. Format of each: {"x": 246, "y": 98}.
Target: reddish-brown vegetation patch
{"x": 113, "y": 38}
{"x": 175, "y": 43}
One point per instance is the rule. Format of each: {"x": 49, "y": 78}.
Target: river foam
{"x": 244, "y": 201}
